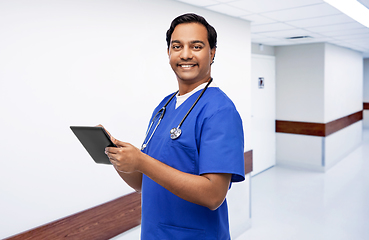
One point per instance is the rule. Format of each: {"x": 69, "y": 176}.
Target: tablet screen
{"x": 94, "y": 140}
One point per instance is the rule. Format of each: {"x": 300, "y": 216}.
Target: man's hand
{"x": 125, "y": 157}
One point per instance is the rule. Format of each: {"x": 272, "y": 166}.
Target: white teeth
{"x": 187, "y": 66}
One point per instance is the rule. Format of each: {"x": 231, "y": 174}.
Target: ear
{"x": 212, "y": 54}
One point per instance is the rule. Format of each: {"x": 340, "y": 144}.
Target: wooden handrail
{"x": 101, "y": 222}
{"x": 98, "y": 223}
{"x": 318, "y": 129}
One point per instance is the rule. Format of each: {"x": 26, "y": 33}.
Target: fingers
{"x": 120, "y": 143}
{"x": 111, "y": 137}
{"x": 104, "y": 129}
{"x": 115, "y": 157}
{"x": 112, "y": 150}
{"x": 124, "y": 157}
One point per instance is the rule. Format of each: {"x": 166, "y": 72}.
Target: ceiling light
{"x": 299, "y": 38}
{"x": 353, "y": 9}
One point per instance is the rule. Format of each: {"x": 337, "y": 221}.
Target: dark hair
{"x": 193, "y": 18}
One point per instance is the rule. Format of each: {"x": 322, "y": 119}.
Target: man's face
{"x": 189, "y": 53}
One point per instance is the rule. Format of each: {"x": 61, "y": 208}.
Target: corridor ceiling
{"x": 288, "y": 22}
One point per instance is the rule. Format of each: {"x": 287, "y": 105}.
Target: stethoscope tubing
{"x": 194, "y": 104}
{"x": 161, "y": 112}
{"x": 174, "y": 132}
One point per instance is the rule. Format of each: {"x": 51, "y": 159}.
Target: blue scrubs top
{"x": 211, "y": 142}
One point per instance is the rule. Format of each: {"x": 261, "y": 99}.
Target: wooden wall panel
{"x": 304, "y": 128}
{"x": 341, "y": 123}
{"x": 366, "y": 106}
{"x": 248, "y": 161}
{"x": 99, "y": 223}
{"x": 318, "y": 129}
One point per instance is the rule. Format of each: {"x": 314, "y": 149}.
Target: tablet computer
{"x": 94, "y": 140}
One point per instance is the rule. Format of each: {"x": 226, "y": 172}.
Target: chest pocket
{"x": 181, "y": 157}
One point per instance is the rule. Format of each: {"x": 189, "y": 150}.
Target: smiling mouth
{"x": 187, "y": 65}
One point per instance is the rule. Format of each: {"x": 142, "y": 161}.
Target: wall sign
{"x": 261, "y": 82}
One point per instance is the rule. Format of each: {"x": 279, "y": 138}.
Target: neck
{"x": 186, "y": 87}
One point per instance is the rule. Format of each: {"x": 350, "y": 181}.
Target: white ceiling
{"x": 273, "y": 21}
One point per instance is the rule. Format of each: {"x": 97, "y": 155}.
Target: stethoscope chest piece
{"x": 175, "y": 133}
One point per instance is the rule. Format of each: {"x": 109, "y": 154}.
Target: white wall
{"x": 262, "y": 49}
{"x": 300, "y": 97}
{"x": 85, "y": 62}
{"x": 300, "y": 82}
{"x": 341, "y": 143}
{"x": 317, "y": 83}
{"x": 366, "y": 119}
{"x": 299, "y": 151}
{"x": 343, "y": 82}
{"x": 366, "y": 79}
{"x": 343, "y": 87}
{"x": 366, "y": 92}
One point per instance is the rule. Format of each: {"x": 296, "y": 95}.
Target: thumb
{"x": 119, "y": 143}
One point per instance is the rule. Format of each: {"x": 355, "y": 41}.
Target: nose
{"x": 186, "y": 53}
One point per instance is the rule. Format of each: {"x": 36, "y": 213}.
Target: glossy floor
{"x": 292, "y": 204}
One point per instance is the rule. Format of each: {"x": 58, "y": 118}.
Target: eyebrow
{"x": 192, "y": 42}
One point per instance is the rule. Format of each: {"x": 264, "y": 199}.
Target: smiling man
{"x": 193, "y": 147}
{"x": 190, "y": 54}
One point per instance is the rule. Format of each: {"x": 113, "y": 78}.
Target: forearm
{"x": 134, "y": 179}
{"x": 207, "y": 190}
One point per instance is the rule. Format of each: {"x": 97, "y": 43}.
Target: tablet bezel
{"x": 94, "y": 140}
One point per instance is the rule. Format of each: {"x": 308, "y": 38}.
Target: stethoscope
{"x": 174, "y": 132}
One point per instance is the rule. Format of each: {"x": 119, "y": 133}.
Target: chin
{"x": 185, "y": 77}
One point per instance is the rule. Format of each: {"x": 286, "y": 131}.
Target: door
{"x": 263, "y": 112}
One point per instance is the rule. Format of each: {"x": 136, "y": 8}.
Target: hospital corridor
{"x": 290, "y": 203}
{"x": 232, "y": 119}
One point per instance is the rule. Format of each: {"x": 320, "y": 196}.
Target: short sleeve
{"x": 222, "y": 144}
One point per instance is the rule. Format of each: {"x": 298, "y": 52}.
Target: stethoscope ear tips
{"x": 175, "y": 133}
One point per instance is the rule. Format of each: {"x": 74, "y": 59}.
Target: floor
{"x": 292, "y": 204}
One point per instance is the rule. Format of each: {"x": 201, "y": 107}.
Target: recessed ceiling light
{"x": 353, "y": 9}
{"x": 296, "y": 38}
